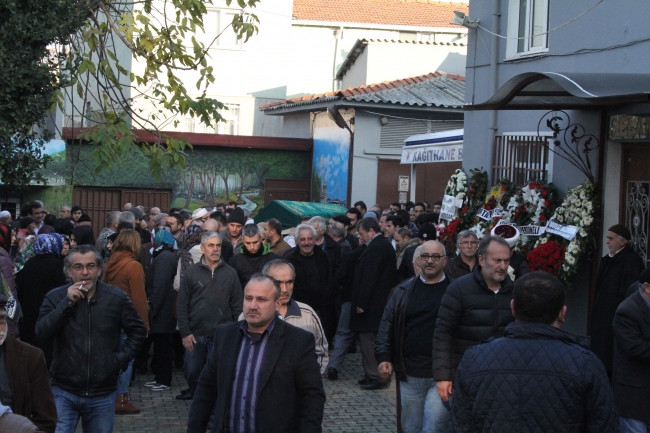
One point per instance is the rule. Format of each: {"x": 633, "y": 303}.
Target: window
{"x": 217, "y": 23}
{"x": 188, "y": 124}
{"x": 527, "y": 27}
{"x": 522, "y": 157}
{"x": 230, "y": 126}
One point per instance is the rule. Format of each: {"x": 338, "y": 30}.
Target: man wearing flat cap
{"x": 617, "y": 271}
{"x": 24, "y": 380}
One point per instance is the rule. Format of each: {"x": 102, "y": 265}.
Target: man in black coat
{"x": 312, "y": 282}
{"x": 333, "y": 250}
{"x": 375, "y": 275}
{"x": 262, "y": 375}
{"x": 617, "y": 271}
{"x": 632, "y": 358}
{"x": 404, "y": 342}
{"x": 253, "y": 254}
{"x": 474, "y": 308}
{"x": 537, "y": 378}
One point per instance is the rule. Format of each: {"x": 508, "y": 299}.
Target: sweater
{"x": 123, "y": 271}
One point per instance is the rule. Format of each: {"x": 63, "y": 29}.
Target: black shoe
{"x": 364, "y": 381}
{"x": 332, "y": 374}
{"x": 184, "y": 396}
{"x": 374, "y": 384}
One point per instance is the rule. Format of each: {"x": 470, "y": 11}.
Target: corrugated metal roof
{"x": 435, "y": 89}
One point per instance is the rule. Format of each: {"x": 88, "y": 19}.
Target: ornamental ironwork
{"x": 637, "y": 213}
{"x": 570, "y": 141}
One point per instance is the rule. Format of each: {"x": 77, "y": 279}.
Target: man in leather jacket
{"x": 85, "y": 319}
{"x": 404, "y": 342}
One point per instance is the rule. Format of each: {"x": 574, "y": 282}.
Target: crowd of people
{"x": 258, "y": 315}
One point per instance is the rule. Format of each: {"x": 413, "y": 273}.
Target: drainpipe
{"x": 494, "y": 57}
{"x": 338, "y": 34}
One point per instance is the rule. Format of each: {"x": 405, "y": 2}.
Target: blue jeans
{"x": 124, "y": 379}
{"x": 422, "y": 408}
{"x": 629, "y": 425}
{"x": 195, "y": 361}
{"x": 96, "y": 412}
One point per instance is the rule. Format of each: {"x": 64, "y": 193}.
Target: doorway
{"x": 635, "y": 195}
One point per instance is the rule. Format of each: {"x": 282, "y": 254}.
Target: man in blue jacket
{"x": 536, "y": 378}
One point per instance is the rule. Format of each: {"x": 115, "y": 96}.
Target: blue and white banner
{"x": 427, "y": 154}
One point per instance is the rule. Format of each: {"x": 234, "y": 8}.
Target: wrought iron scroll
{"x": 570, "y": 141}
{"x": 637, "y": 211}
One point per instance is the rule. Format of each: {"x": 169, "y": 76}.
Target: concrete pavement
{"x": 348, "y": 409}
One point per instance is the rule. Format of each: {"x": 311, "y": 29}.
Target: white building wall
{"x": 365, "y": 161}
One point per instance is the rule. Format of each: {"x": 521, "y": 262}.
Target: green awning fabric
{"x": 290, "y": 213}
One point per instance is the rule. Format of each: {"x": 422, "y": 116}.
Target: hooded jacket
{"x": 247, "y": 264}
{"x": 537, "y": 378}
{"x": 123, "y": 271}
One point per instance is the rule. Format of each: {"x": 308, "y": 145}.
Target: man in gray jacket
{"x": 210, "y": 294}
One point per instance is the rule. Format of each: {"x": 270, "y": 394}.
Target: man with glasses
{"x": 404, "y": 342}
{"x": 84, "y": 319}
{"x": 464, "y": 262}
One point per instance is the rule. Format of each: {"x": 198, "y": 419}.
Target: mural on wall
{"x": 212, "y": 175}
{"x": 55, "y": 172}
{"x": 329, "y": 183}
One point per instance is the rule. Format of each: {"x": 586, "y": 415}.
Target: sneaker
{"x": 151, "y": 384}
{"x": 160, "y": 387}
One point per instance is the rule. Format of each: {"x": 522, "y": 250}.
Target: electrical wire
{"x": 411, "y": 118}
{"x": 546, "y": 32}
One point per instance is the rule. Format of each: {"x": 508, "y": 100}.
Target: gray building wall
{"x": 608, "y": 38}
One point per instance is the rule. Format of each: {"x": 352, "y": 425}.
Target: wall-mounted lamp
{"x": 383, "y": 120}
{"x": 460, "y": 19}
{"x": 336, "y": 117}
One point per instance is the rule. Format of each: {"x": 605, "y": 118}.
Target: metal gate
{"x": 637, "y": 211}
{"x": 97, "y": 202}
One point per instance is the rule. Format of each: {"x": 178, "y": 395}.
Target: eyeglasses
{"x": 435, "y": 257}
{"x": 468, "y": 243}
{"x": 79, "y": 267}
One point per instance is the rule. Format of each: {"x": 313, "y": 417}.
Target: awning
{"x": 446, "y": 146}
{"x": 568, "y": 90}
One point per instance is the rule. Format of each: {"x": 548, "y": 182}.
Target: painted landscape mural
{"x": 329, "y": 183}
{"x": 212, "y": 175}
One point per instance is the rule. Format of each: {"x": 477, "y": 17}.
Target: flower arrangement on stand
{"x": 471, "y": 190}
{"x": 578, "y": 209}
{"x": 499, "y": 196}
{"x": 548, "y": 257}
{"x": 534, "y": 204}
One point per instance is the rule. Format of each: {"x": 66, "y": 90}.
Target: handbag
{"x": 14, "y": 312}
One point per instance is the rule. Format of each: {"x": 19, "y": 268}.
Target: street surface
{"x": 348, "y": 408}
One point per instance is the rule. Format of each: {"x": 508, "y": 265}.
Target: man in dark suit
{"x": 262, "y": 375}
{"x": 632, "y": 358}
{"x": 24, "y": 381}
{"x": 374, "y": 277}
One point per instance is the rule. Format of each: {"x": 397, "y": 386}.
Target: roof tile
{"x": 425, "y": 13}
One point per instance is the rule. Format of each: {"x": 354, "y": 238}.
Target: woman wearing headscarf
{"x": 160, "y": 290}
{"x": 41, "y": 273}
{"x": 124, "y": 271}
{"x": 83, "y": 235}
{"x": 25, "y": 252}
{"x": 7, "y": 269}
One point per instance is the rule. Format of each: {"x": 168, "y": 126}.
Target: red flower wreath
{"x": 547, "y": 257}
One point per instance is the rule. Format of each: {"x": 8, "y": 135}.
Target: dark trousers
{"x": 163, "y": 356}
{"x": 367, "y": 343}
